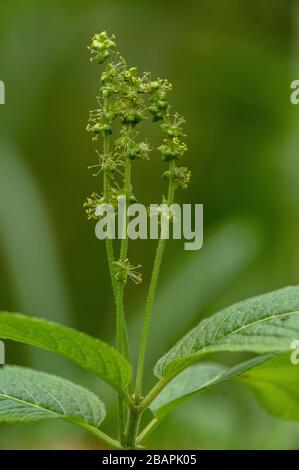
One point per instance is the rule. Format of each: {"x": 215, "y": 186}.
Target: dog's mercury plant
{"x": 265, "y": 325}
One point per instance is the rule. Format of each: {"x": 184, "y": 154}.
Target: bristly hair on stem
{"x": 129, "y": 98}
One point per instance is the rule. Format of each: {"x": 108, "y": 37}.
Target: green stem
{"x": 111, "y": 260}
{"x": 149, "y": 398}
{"x": 121, "y": 319}
{"x": 122, "y": 325}
{"x": 133, "y": 425}
{"x": 147, "y": 431}
{"x": 111, "y": 443}
{"x": 106, "y": 193}
{"x": 109, "y": 243}
{"x": 150, "y": 299}
{"x": 145, "y": 403}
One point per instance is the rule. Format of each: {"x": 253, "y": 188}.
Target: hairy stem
{"x": 106, "y": 193}
{"x": 150, "y": 299}
{"x": 109, "y": 243}
{"x": 133, "y": 425}
{"x": 122, "y": 325}
{"x": 122, "y": 332}
{"x": 115, "y": 287}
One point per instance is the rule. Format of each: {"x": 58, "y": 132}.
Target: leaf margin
{"x": 96, "y": 351}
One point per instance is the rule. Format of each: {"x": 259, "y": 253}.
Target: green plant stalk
{"x": 122, "y": 331}
{"x": 109, "y": 244}
{"x": 106, "y": 192}
{"x": 109, "y": 441}
{"x": 147, "y": 431}
{"x": 150, "y": 298}
{"x": 136, "y": 411}
{"x": 154, "y": 392}
{"x": 122, "y": 325}
{"x": 133, "y": 425}
{"x": 111, "y": 260}
{"x": 133, "y": 440}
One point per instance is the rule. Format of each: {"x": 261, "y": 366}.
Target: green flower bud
{"x": 110, "y": 115}
{"x": 108, "y": 91}
{"x": 152, "y": 87}
{"x": 170, "y": 130}
{"x": 96, "y": 129}
{"x": 183, "y": 176}
{"x": 162, "y": 104}
{"x": 132, "y": 199}
{"x": 132, "y": 117}
{"x": 102, "y": 36}
{"x": 168, "y": 152}
{"x": 166, "y": 175}
{"x": 101, "y": 47}
{"x": 172, "y": 149}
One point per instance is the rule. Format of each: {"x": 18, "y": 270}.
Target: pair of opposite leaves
{"x": 264, "y": 324}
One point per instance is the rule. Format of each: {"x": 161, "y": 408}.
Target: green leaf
{"x": 27, "y": 395}
{"x": 196, "y": 379}
{"x": 264, "y": 324}
{"x": 276, "y": 386}
{"x": 235, "y": 243}
{"x": 88, "y": 352}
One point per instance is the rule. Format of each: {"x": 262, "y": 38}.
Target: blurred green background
{"x": 231, "y": 64}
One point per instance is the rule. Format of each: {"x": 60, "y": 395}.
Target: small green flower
{"x": 132, "y": 116}
{"x": 172, "y": 149}
{"x": 91, "y": 204}
{"x": 173, "y": 129}
{"x": 180, "y": 175}
{"x": 100, "y": 122}
{"x": 111, "y": 162}
{"x": 127, "y": 145}
{"x": 124, "y": 269}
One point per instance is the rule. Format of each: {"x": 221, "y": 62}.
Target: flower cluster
{"x": 110, "y": 162}
{"x": 127, "y": 145}
{"x": 125, "y": 99}
{"x": 122, "y": 95}
{"x": 173, "y": 128}
{"x": 95, "y": 200}
{"x": 157, "y": 91}
{"x": 132, "y": 107}
{"x": 101, "y": 47}
{"x": 173, "y": 148}
{"x": 100, "y": 122}
{"x": 180, "y": 175}
{"x": 91, "y": 204}
{"x": 124, "y": 269}
{"x": 130, "y": 97}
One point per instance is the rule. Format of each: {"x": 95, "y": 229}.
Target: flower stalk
{"x": 126, "y": 99}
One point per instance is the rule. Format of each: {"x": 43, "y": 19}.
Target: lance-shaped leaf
{"x": 276, "y": 386}
{"x": 27, "y": 395}
{"x": 264, "y": 324}
{"x": 88, "y": 352}
{"x": 196, "y": 379}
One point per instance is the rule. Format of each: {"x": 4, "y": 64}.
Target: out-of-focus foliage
{"x": 275, "y": 384}
{"x": 231, "y": 64}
